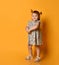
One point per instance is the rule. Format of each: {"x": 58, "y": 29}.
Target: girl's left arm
{"x": 34, "y": 27}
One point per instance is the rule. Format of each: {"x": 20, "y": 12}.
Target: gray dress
{"x": 35, "y": 37}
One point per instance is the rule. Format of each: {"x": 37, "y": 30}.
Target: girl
{"x": 34, "y": 37}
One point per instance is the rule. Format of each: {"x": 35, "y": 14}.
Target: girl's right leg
{"x": 29, "y": 57}
{"x": 30, "y": 50}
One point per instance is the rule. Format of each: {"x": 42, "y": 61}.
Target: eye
{"x": 33, "y": 16}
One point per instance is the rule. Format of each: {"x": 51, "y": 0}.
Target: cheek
{"x": 36, "y": 17}
{"x": 33, "y": 17}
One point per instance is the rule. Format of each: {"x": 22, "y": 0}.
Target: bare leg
{"x": 38, "y": 53}
{"x": 38, "y": 50}
{"x": 30, "y": 50}
{"x": 29, "y": 57}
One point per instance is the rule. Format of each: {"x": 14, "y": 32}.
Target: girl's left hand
{"x": 28, "y": 31}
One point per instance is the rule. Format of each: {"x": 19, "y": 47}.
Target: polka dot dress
{"x": 35, "y": 37}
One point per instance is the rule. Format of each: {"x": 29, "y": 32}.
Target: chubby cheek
{"x": 34, "y": 18}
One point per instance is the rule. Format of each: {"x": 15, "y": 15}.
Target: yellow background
{"x": 14, "y": 15}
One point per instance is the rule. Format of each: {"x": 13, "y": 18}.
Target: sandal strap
{"x": 28, "y": 57}
{"x": 37, "y": 59}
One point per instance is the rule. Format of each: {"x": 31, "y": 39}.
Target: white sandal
{"x": 37, "y": 59}
{"x": 29, "y": 57}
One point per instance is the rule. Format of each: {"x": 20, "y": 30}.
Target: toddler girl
{"x": 34, "y": 36}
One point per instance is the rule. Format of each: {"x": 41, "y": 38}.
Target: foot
{"x": 29, "y": 57}
{"x": 37, "y": 59}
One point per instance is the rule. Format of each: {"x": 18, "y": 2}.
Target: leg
{"x": 38, "y": 50}
{"x": 30, "y": 50}
{"x": 29, "y": 57}
{"x": 38, "y": 53}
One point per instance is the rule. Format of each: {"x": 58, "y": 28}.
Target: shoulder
{"x": 38, "y": 21}
{"x": 29, "y": 21}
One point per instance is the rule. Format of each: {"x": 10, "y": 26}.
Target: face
{"x": 34, "y": 16}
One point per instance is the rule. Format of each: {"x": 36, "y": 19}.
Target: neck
{"x": 34, "y": 20}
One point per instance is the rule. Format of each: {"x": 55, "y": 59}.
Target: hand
{"x": 26, "y": 28}
{"x": 29, "y": 31}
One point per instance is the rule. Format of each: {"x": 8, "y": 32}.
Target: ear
{"x": 31, "y": 11}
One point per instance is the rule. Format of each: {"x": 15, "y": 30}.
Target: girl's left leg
{"x": 38, "y": 50}
{"x": 38, "y": 53}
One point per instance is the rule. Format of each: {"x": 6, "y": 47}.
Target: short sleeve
{"x": 38, "y": 22}
{"x": 29, "y": 23}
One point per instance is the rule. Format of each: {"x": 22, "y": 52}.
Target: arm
{"x": 34, "y": 27}
{"x": 27, "y": 28}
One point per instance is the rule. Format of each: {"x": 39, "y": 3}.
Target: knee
{"x": 29, "y": 46}
{"x": 37, "y": 46}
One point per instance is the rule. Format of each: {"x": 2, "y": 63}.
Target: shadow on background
{"x": 44, "y": 47}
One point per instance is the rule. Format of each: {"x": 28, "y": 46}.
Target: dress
{"x": 35, "y": 37}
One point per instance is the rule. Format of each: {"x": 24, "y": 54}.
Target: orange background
{"x": 14, "y": 15}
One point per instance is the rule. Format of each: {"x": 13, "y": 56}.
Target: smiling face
{"x": 34, "y": 16}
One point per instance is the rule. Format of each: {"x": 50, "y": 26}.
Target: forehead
{"x": 34, "y": 14}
